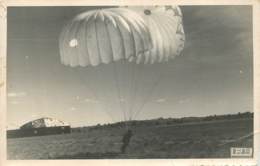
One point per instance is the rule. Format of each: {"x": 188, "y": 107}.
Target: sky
{"x": 214, "y": 75}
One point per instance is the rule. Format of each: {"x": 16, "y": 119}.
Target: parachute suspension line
{"x": 122, "y": 68}
{"x": 149, "y": 95}
{"x": 118, "y": 91}
{"x": 135, "y": 87}
{"x": 124, "y": 81}
{"x": 147, "y": 99}
{"x": 119, "y": 87}
{"x": 94, "y": 93}
{"x": 129, "y": 85}
{"x": 125, "y": 85}
{"x": 132, "y": 66}
{"x": 136, "y": 81}
{"x": 142, "y": 88}
{"x": 105, "y": 105}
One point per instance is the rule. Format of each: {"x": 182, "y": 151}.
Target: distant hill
{"x": 167, "y": 121}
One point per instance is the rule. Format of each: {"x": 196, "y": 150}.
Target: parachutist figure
{"x": 126, "y": 140}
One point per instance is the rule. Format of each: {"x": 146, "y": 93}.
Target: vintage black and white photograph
{"x": 129, "y": 82}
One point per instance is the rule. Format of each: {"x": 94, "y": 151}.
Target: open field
{"x": 211, "y": 139}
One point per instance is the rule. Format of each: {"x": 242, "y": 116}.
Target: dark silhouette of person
{"x": 126, "y": 140}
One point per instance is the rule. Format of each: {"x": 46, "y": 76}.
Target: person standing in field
{"x": 126, "y": 140}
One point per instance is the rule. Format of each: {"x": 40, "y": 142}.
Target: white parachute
{"x": 132, "y": 43}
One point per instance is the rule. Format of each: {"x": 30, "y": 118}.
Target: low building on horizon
{"x": 40, "y": 127}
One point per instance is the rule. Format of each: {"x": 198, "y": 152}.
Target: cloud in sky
{"x": 73, "y": 108}
{"x": 77, "y": 98}
{"x": 183, "y": 101}
{"x": 88, "y": 100}
{"x": 17, "y": 94}
{"x": 161, "y": 100}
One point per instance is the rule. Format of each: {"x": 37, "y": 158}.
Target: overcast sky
{"x": 214, "y": 75}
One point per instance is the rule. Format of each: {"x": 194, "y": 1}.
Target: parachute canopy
{"x": 104, "y": 36}
{"x": 146, "y": 34}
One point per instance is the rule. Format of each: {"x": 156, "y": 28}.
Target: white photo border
{"x": 4, "y": 4}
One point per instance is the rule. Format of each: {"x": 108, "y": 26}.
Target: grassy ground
{"x": 191, "y": 140}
